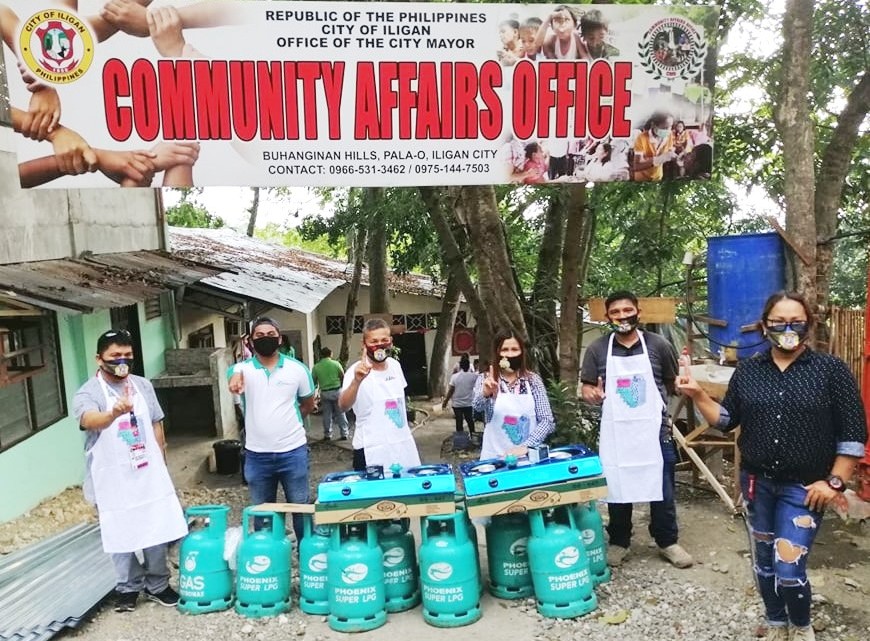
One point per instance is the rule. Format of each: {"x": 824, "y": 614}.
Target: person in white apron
{"x": 513, "y": 400}
{"x": 374, "y": 387}
{"x": 627, "y": 373}
{"x": 126, "y": 477}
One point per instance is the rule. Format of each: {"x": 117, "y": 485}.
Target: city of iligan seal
{"x": 56, "y": 45}
{"x": 672, "y": 49}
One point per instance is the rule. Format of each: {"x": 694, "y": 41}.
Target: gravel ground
{"x": 647, "y": 600}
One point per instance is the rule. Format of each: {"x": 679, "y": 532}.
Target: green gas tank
{"x": 448, "y": 572}
{"x": 560, "y": 569}
{"x": 263, "y": 565}
{"x": 459, "y": 506}
{"x": 507, "y": 539}
{"x": 205, "y": 580}
{"x": 355, "y": 567}
{"x": 313, "y": 548}
{"x": 401, "y": 574}
{"x": 588, "y": 521}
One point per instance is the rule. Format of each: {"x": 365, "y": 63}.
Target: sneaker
{"x": 802, "y": 634}
{"x": 126, "y": 601}
{"x": 616, "y": 554}
{"x": 168, "y": 597}
{"x": 776, "y": 633}
{"x": 677, "y": 556}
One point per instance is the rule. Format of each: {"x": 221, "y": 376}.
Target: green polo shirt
{"x": 327, "y": 373}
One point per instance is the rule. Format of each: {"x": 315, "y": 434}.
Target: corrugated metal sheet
{"x": 51, "y": 585}
{"x": 286, "y": 276}
{"x": 98, "y": 281}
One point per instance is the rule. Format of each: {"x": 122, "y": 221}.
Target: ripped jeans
{"x": 783, "y": 531}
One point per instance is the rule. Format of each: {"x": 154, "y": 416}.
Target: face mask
{"x": 790, "y": 338}
{"x": 266, "y": 345}
{"x": 119, "y": 367}
{"x": 663, "y": 133}
{"x": 625, "y": 325}
{"x": 380, "y": 354}
{"x": 511, "y": 363}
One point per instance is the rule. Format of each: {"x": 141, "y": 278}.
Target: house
{"x": 305, "y": 292}
{"x": 72, "y": 264}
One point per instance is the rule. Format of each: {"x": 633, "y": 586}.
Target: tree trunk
{"x": 379, "y": 296}
{"x": 829, "y": 190}
{"x": 489, "y": 249}
{"x": 575, "y": 252}
{"x": 543, "y": 334}
{"x": 798, "y": 140}
{"x": 357, "y": 251}
{"x": 454, "y": 258}
{"x": 438, "y": 374}
{"x": 253, "y": 210}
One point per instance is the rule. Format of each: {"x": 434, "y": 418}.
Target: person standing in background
{"x": 327, "y": 374}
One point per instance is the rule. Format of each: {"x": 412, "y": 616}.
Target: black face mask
{"x": 119, "y": 367}
{"x": 511, "y": 363}
{"x": 266, "y": 345}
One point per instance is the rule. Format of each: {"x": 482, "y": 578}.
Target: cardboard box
{"x": 381, "y": 509}
{"x": 538, "y": 498}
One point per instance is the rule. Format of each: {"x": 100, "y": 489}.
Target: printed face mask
{"x": 510, "y": 363}
{"x": 119, "y": 367}
{"x": 787, "y": 336}
{"x": 266, "y": 345}
{"x": 379, "y": 354}
{"x": 624, "y": 325}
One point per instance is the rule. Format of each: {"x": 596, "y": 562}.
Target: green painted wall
{"x": 53, "y": 459}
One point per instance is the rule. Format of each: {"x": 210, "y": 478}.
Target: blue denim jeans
{"x": 663, "y": 514}
{"x": 783, "y": 531}
{"x": 331, "y": 414}
{"x": 265, "y": 470}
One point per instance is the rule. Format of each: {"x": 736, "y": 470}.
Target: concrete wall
{"x": 193, "y": 318}
{"x": 45, "y": 224}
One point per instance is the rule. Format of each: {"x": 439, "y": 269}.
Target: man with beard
{"x": 375, "y": 387}
{"x": 126, "y": 475}
{"x": 630, "y": 373}
{"x": 277, "y": 391}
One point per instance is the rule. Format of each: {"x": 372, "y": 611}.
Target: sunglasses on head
{"x": 795, "y": 326}
{"x": 112, "y": 333}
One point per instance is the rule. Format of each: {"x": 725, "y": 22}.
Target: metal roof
{"x": 97, "y": 281}
{"x": 284, "y": 276}
{"x": 53, "y": 584}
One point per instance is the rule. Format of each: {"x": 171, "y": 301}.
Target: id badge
{"x": 138, "y": 456}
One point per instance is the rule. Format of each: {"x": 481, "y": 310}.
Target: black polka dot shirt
{"x": 794, "y": 423}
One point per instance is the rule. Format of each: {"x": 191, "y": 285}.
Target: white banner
{"x": 366, "y": 94}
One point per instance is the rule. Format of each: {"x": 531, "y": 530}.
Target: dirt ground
{"x": 839, "y": 570}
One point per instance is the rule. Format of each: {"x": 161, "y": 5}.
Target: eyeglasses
{"x": 795, "y": 326}
{"x": 112, "y": 333}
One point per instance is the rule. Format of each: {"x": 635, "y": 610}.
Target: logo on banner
{"x": 672, "y": 48}
{"x": 56, "y": 46}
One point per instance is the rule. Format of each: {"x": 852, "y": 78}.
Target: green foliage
{"x": 576, "y": 421}
{"x": 291, "y": 237}
{"x": 191, "y": 214}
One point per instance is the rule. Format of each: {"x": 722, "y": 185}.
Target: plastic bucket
{"x": 227, "y": 456}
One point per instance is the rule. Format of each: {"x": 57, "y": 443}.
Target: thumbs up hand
{"x": 594, "y": 394}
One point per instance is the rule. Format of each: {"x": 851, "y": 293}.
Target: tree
{"x": 253, "y": 210}
{"x": 188, "y": 212}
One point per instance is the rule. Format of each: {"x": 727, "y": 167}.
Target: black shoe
{"x": 126, "y": 601}
{"x": 168, "y": 597}
{"x": 343, "y": 438}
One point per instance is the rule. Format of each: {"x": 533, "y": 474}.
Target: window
{"x": 432, "y": 320}
{"x": 152, "y": 308}
{"x": 399, "y": 319}
{"x": 461, "y": 319}
{"x": 31, "y": 389}
{"x": 358, "y": 324}
{"x": 415, "y": 322}
{"x": 335, "y": 324}
{"x": 203, "y": 337}
{"x": 233, "y": 328}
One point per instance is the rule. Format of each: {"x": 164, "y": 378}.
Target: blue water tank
{"x": 742, "y": 271}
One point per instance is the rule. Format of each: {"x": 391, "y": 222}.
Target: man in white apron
{"x": 374, "y": 387}
{"x": 629, "y": 373}
{"x": 126, "y": 475}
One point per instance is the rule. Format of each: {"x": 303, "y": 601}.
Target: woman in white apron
{"x": 514, "y": 402}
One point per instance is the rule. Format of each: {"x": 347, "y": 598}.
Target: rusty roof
{"x": 290, "y": 277}
{"x": 98, "y": 281}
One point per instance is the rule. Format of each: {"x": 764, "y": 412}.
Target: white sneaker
{"x": 802, "y": 634}
{"x": 677, "y": 556}
{"x": 777, "y": 633}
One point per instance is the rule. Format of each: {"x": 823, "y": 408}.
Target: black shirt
{"x": 793, "y": 421}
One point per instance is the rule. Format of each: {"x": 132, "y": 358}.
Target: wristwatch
{"x": 836, "y": 483}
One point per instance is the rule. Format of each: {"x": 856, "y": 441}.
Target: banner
{"x": 360, "y": 94}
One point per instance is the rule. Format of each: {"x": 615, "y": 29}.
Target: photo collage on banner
{"x": 201, "y": 93}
